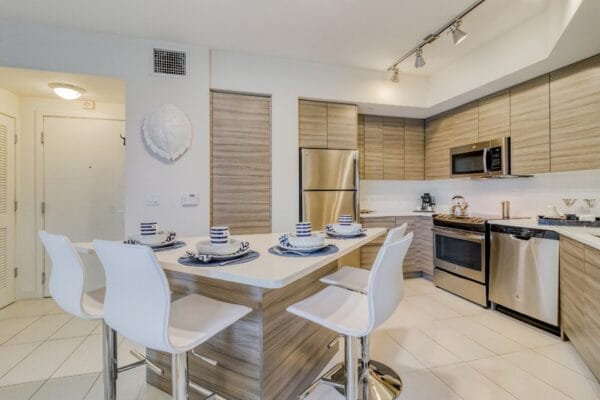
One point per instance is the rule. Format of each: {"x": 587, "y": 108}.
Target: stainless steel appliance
{"x": 460, "y": 246}
{"x": 427, "y": 203}
{"x": 487, "y": 159}
{"x": 524, "y": 271}
{"x": 329, "y": 185}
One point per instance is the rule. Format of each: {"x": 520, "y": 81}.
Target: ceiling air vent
{"x": 169, "y": 62}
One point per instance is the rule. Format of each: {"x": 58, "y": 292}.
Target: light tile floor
{"x": 442, "y": 346}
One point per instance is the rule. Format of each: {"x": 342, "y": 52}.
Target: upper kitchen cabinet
{"x": 462, "y": 125}
{"x": 373, "y": 147}
{"x": 575, "y": 116}
{"x": 438, "y": 140}
{"x": 393, "y": 148}
{"x": 414, "y": 149}
{"x": 327, "y": 125}
{"x": 494, "y": 116}
{"x": 530, "y": 126}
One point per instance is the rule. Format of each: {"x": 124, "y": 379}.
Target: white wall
{"x": 29, "y": 217}
{"x": 528, "y": 196}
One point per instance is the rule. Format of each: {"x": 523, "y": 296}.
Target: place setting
{"x": 157, "y": 240}
{"x": 219, "y": 250}
{"x": 303, "y": 243}
{"x": 346, "y": 228}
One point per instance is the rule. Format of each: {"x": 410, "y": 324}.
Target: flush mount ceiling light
{"x": 458, "y": 35}
{"x": 394, "y": 75}
{"x": 453, "y": 26}
{"x": 419, "y": 60}
{"x": 66, "y": 91}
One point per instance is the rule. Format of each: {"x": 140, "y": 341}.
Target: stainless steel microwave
{"x": 487, "y": 159}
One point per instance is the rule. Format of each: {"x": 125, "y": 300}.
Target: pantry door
{"x": 84, "y": 190}
{"x": 7, "y": 210}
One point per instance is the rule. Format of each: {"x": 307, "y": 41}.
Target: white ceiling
{"x": 359, "y": 33}
{"x": 32, "y": 83}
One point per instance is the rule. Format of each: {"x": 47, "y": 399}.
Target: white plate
{"x": 345, "y": 229}
{"x": 346, "y": 235}
{"x": 224, "y": 257}
{"x": 205, "y": 247}
{"x": 304, "y": 249}
{"x": 151, "y": 240}
{"x": 314, "y": 240}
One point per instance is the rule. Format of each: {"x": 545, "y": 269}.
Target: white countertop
{"x": 267, "y": 271}
{"x": 581, "y": 234}
{"x": 395, "y": 213}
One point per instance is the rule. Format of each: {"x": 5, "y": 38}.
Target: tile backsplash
{"x": 528, "y": 196}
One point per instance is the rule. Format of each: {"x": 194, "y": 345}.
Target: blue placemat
{"x": 334, "y": 236}
{"x": 278, "y": 251}
{"x": 192, "y": 262}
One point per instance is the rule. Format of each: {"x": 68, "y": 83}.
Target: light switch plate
{"x": 152, "y": 199}
{"x": 189, "y": 199}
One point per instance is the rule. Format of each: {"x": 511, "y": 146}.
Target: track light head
{"x": 394, "y": 74}
{"x": 419, "y": 60}
{"x": 458, "y": 35}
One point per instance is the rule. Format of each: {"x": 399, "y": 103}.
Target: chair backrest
{"x": 137, "y": 300}
{"x": 386, "y": 282}
{"x": 396, "y": 234}
{"x": 67, "y": 279}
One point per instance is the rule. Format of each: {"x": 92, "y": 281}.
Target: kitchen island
{"x": 269, "y": 354}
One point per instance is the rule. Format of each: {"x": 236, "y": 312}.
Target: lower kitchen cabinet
{"x": 580, "y": 299}
{"x": 419, "y": 258}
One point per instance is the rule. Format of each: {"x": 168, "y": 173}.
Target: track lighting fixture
{"x": 458, "y": 35}
{"x": 453, "y": 27}
{"x": 394, "y": 75}
{"x": 419, "y": 60}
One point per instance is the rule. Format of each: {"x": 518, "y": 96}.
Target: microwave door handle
{"x": 486, "y": 151}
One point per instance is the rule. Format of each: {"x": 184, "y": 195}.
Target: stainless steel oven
{"x": 460, "y": 252}
{"x": 490, "y": 158}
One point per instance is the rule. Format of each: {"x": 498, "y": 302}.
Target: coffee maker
{"x": 427, "y": 202}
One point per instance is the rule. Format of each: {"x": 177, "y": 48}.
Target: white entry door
{"x": 7, "y": 210}
{"x": 84, "y": 175}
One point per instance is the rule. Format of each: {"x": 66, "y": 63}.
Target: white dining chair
{"x": 355, "y": 315}
{"x": 138, "y": 306}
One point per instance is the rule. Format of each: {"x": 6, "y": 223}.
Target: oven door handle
{"x": 459, "y": 234}
{"x": 486, "y": 151}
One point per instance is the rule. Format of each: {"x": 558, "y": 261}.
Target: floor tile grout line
{"x": 37, "y": 318}
{"x": 40, "y": 343}
{"x": 535, "y": 349}
{"x": 69, "y": 356}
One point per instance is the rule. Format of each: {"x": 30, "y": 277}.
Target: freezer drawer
{"x": 329, "y": 169}
{"x": 324, "y": 207}
{"x": 524, "y": 272}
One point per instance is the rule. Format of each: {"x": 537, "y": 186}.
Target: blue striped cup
{"x": 303, "y": 229}
{"x": 148, "y": 228}
{"x": 345, "y": 220}
{"x": 219, "y": 234}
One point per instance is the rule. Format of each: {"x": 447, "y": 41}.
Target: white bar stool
{"x": 138, "y": 306}
{"x": 357, "y": 279}
{"x": 66, "y": 287}
{"x": 356, "y": 315}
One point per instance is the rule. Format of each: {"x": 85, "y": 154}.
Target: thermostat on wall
{"x": 189, "y": 199}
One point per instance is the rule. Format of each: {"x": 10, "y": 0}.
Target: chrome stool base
{"x": 384, "y": 383}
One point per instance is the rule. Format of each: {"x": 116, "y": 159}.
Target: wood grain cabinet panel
{"x": 241, "y": 162}
{"x": 373, "y": 147}
{"x": 378, "y": 222}
{"x": 312, "y": 118}
{"x": 393, "y": 148}
{"x": 591, "y": 296}
{"x": 414, "y": 149}
{"x": 437, "y": 148}
{"x": 575, "y": 116}
{"x": 572, "y": 284}
{"x": 361, "y": 146}
{"x": 530, "y": 126}
{"x": 462, "y": 125}
{"x": 494, "y": 116}
{"x": 341, "y": 126}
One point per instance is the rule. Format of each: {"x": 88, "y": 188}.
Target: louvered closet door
{"x": 241, "y": 162}
{"x": 7, "y": 210}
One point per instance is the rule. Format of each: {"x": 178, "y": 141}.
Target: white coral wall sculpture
{"x": 168, "y": 132}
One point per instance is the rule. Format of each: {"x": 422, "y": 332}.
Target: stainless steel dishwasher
{"x": 524, "y": 271}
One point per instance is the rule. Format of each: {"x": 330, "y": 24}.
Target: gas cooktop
{"x": 467, "y": 222}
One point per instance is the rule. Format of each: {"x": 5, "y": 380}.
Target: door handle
{"x": 521, "y": 237}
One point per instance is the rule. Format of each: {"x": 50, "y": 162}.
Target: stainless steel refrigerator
{"x": 328, "y": 185}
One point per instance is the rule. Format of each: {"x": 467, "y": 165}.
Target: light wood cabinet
{"x": 373, "y": 147}
{"x": 312, "y": 117}
{"x": 494, "y": 116}
{"x": 327, "y": 125}
{"x": 580, "y": 299}
{"x": 575, "y": 116}
{"x": 241, "y": 162}
{"x": 414, "y": 149}
{"x": 342, "y": 126}
{"x": 462, "y": 126}
{"x": 437, "y": 148}
{"x": 393, "y": 148}
{"x": 530, "y": 126}
{"x": 361, "y": 146}
{"x": 419, "y": 258}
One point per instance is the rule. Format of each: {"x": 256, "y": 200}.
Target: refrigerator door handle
{"x": 357, "y": 187}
